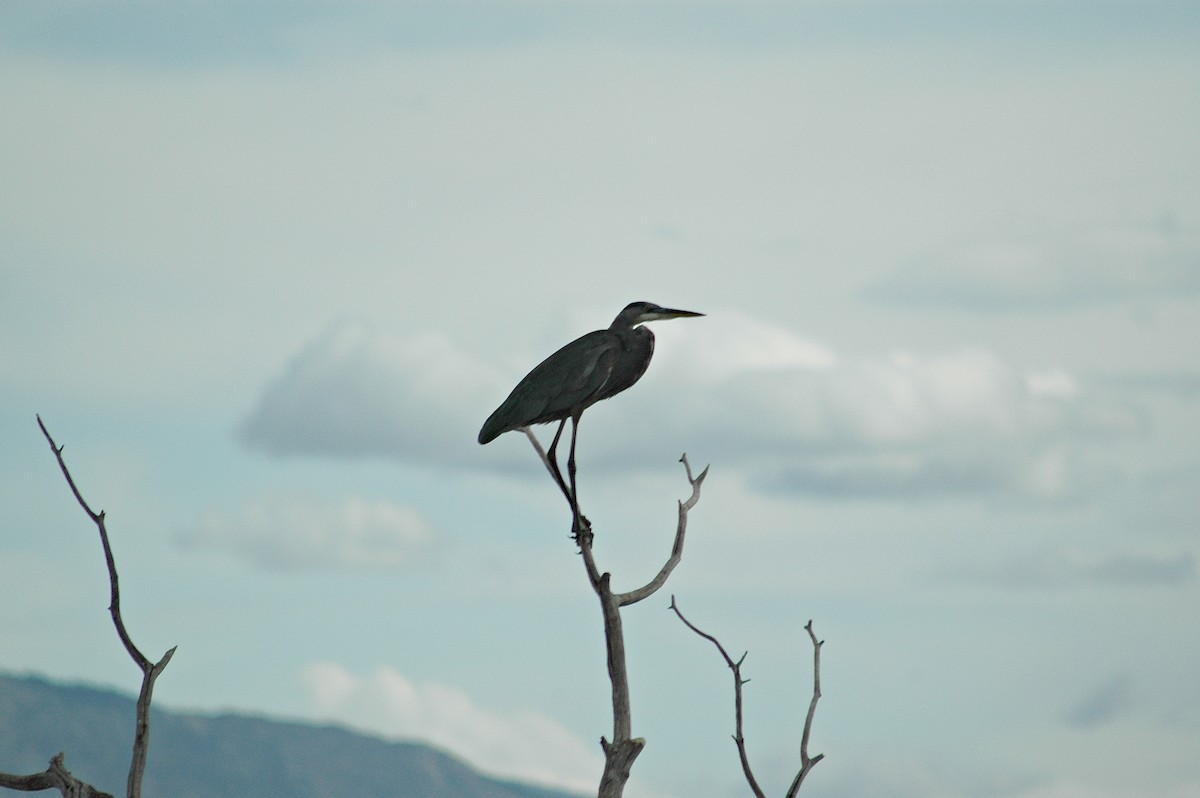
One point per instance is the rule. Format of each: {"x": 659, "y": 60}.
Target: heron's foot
{"x": 581, "y": 530}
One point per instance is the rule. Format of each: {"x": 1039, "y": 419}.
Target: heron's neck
{"x": 629, "y": 336}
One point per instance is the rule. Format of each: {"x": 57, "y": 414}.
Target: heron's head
{"x": 636, "y": 313}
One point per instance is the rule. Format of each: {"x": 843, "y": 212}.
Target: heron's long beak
{"x": 671, "y": 313}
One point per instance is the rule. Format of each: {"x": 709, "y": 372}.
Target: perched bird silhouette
{"x": 591, "y": 368}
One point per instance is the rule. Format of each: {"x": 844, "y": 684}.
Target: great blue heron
{"x": 593, "y": 367}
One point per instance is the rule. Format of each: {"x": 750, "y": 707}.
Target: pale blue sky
{"x": 264, "y": 271}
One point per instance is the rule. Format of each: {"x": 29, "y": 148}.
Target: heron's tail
{"x": 492, "y": 428}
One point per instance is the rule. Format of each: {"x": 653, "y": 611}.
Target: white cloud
{"x": 898, "y": 426}
{"x": 287, "y": 533}
{"x": 524, "y": 745}
{"x": 789, "y": 411}
{"x": 729, "y": 343}
{"x": 355, "y": 392}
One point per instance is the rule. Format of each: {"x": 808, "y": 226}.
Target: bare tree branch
{"x": 150, "y": 670}
{"x": 806, "y": 762}
{"x": 620, "y": 753}
{"x": 55, "y": 777}
{"x": 738, "y": 681}
{"x": 624, "y": 748}
{"x": 652, "y": 587}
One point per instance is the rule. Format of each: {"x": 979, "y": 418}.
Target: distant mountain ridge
{"x": 224, "y": 756}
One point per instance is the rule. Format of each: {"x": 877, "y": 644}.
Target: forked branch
{"x": 67, "y": 784}
{"x": 623, "y": 749}
{"x": 806, "y": 762}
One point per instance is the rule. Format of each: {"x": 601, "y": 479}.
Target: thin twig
{"x": 738, "y": 738}
{"x": 150, "y": 670}
{"x": 114, "y": 606}
{"x": 806, "y": 762}
{"x": 660, "y": 579}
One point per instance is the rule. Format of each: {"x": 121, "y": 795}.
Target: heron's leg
{"x": 552, "y": 462}
{"x": 549, "y": 461}
{"x": 579, "y": 523}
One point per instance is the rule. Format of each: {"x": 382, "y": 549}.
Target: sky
{"x": 266, "y": 268}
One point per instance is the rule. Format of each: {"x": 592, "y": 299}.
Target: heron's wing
{"x": 570, "y": 378}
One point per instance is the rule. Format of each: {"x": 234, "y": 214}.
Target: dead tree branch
{"x": 624, "y": 748}
{"x": 738, "y": 681}
{"x": 55, "y": 777}
{"x": 150, "y": 670}
{"x": 660, "y": 579}
{"x": 806, "y": 762}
